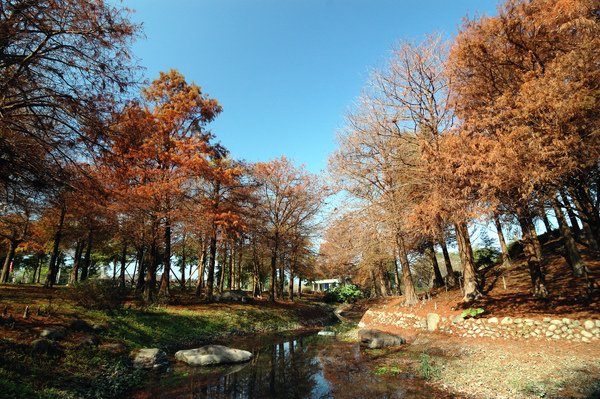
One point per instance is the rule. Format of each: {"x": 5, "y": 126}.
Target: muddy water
{"x": 302, "y": 366}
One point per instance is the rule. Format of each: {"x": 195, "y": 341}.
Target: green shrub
{"x": 428, "y": 369}
{"x": 344, "y": 293}
{"x": 99, "y": 294}
{"x": 472, "y": 312}
{"x": 486, "y": 257}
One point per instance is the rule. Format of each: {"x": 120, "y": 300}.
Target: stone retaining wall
{"x": 494, "y": 328}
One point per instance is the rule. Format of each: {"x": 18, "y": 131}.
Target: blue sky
{"x": 285, "y": 71}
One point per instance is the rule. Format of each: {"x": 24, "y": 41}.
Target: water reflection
{"x": 297, "y": 368}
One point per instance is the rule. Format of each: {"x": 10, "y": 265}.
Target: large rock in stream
{"x": 210, "y": 355}
{"x": 150, "y": 359}
{"x": 375, "y": 339}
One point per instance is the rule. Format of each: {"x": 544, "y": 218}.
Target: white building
{"x": 325, "y": 285}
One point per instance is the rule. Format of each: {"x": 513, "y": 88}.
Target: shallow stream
{"x": 294, "y": 367}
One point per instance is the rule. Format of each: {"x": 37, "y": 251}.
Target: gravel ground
{"x": 493, "y": 369}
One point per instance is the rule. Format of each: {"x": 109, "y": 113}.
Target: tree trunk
{"x": 141, "y": 271}
{"x": 274, "y": 255}
{"x": 281, "y": 280}
{"x": 291, "y": 285}
{"x": 123, "y": 265}
{"x": 201, "y": 269}
{"x": 438, "y": 280}
{"x": 572, "y": 255}
{"x": 87, "y": 259}
{"x": 299, "y": 287}
{"x": 210, "y": 280}
{"x": 544, "y": 216}
{"x": 572, "y": 218}
{"x": 383, "y": 281}
{"x": 230, "y": 266}
{"x": 589, "y": 219}
{"x": 376, "y": 287}
{"x": 397, "y": 290}
{"x": 223, "y": 265}
{"x": 503, "y": 246}
{"x": 37, "y": 268}
{"x": 240, "y": 254}
{"x": 410, "y": 295}
{"x": 10, "y": 255}
{"x": 450, "y": 279}
{"x": 54, "y": 265}
{"x": 534, "y": 260}
{"x": 182, "y": 282}
{"x": 166, "y": 276}
{"x": 470, "y": 281}
{"x": 152, "y": 266}
{"x": 76, "y": 262}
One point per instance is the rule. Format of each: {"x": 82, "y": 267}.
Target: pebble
{"x": 586, "y": 334}
{"x": 589, "y": 325}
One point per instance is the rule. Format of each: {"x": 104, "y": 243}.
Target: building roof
{"x": 327, "y": 281}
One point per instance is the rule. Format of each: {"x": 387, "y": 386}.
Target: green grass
{"x": 393, "y": 369}
{"x": 87, "y": 372}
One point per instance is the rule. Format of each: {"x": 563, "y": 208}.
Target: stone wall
{"x": 493, "y": 327}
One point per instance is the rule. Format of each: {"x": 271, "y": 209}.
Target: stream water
{"x": 301, "y": 366}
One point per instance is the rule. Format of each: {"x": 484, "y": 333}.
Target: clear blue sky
{"x": 285, "y": 71}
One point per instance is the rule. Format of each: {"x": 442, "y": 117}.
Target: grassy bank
{"x": 102, "y": 369}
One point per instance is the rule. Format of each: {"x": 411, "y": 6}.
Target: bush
{"x": 344, "y": 293}
{"x": 486, "y": 257}
{"x": 99, "y": 294}
{"x": 472, "y": 312}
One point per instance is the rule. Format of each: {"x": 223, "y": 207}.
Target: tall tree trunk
{"x": 274, "y": 254}
{"x": 438, "y": 280}
{"x": 114, "y": 276}
{"x": 503, "y": 246}
{"x": 166, "y": 276}
{"x": 54, "y": 265}
{"x": 222, "y": 268}
{"x": 210, "y": 279}
{"x": 299, "y": 287}
{"x": 152, "y": 266}
{"x": 141, "y": 271}
{"x": 544, "y": 216}
{"x": 572, "y": 255}
{"x": 230, "y": 266}
{"x": 533, "y": 254}
{"x": 572, "y": 218}
{"x": 589, "y": 219}
{"x": 397, "y": 290}
{"x": 201, "y": 269}
{"x": 76, "y": 262}
{"x": 183, "y": 260}
{"x": 87, "y": 259}
{"x": 376, "y": 287}
{"x": 281, "y": 280}
{"x": 291, "y": 285}
{"x": 410, "y": 295}
{"x": 450, "y": 279}
{"x": 10, "y": 255}
{"x": 240, "y": 258}
{"x": 383, "y": 281}
{"x": 37, "y": 267}
{"x": 123, "y": 265}
{"x": 470, "y": 281}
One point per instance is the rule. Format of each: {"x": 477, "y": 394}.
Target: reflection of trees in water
{"x": 283, "y": 370}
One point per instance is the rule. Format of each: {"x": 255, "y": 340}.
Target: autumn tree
{"x": 523, "y": 83}
{"x": 288, "y": 197}
{"x": 63, "y": 65}
{"x": 160, "y": 145}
